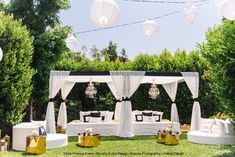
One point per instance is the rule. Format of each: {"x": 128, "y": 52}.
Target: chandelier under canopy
{"x": 153, "y": 91}
{"x": 90, "y": 90}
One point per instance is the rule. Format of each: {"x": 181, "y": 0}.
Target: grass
{"x": 136, "y": 146}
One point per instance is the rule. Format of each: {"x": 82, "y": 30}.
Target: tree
{"x": 15, "y": 70}
{"x": 219, "y": 50}
{"x": 42, "y": 20}
{"x": 111, "y": 51}
{"x": 124, "y": 57}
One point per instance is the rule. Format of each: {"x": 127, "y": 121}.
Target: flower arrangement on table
{"x": 88, "y": 138}
{"x": 168, "y": 136}
{"x": 5, "y": 143}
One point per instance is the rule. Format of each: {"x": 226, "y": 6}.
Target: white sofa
{"x": 21, "y": 131}
{"x": 213, "y": 131}
{"x": 110, "y": 127}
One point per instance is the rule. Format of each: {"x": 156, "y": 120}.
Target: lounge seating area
{"x": 144, "y": 123}
{"x": 23, "y": 130}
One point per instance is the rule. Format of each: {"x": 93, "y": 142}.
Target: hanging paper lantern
{"x": 190, "y": 13}
{"x": 1, "y": 54}
{"x": 149, "y": 28}
{"x": 104, "y": 13}
{"x": 219, "y": 3}
{"x": 71, "y": 42}
{"x": 90, "y": 90}
{"x": 228, "y": 9}
{"x": 153, "y": 92}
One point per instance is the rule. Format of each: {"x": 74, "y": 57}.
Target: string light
{"x": 160, "y": 1}
{"x": 136, "y": 22}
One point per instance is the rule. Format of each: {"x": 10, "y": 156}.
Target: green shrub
{"x": 15, "y": 70}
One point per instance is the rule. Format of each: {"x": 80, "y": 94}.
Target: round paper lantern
{"x": 71, "y": 42}
{"x": 219, "y": 3}
{"x": 104, "y": 13}
{"x": 149, "y": 28}
{"x": 1, "y": 54}
{"x": 228, "y": 9}
{"x": 190, "y": 13}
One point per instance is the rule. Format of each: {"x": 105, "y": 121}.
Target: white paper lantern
{"x": 219, "y": 3}
{"x": 228, "y": 9}
{"x": 190, "y": 13}
{"x": 1, "y": 54}
{"x": 71, "y": 43}
{"x": 149, "y": 28}
{"x": 104, "y": 13}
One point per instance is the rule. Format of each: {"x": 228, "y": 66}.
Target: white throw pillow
{"x": 148, "y": 119}
{"x": 39, "y": 123}
{"x": 82, "y": 115}
{"x": 95, "y": 120}
{"x": 221, "y": 127}
{"x": 109, "y": 117}
{"x": 161, "y": 114}
{"x": 206, "y": 125}
{"x": 230, "y": 130}
{"x": 104, "y": 114}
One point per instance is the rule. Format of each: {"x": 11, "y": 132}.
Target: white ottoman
{"x": 21, "y": 131}
{"x": 56, "y": 141}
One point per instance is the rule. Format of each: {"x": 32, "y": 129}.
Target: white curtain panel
{"x": 50, "y": 118}
{"x": 196, "y": 117}
{"x": 117, "y": 96}
{"x": 126, "y": 83}
{"x": 174, "y": 113}
{"x": 171, "y": 89}
{"x": 56, "y": 81}
{"x": 192, "y": 81}
{"x": 62, "y": 115}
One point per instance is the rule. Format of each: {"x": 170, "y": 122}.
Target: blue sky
{"x": 174, "y": 31}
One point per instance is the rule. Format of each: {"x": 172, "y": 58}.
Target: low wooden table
{"x": 88, "y": 140}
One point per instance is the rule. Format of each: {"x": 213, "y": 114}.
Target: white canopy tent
{"x": 122, "y": 84}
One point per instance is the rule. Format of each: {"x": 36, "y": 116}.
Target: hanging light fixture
{"x": 149, "y": 28}
{"x": 71, "y": 42}
{"x": 90, "y": 90}
{"x": 228, "y": 10}
{"x": 190, "y": 13}
{"x": 104, "y": 13}
{"x": 219, "y": 3}
{"x": 153, "y": 91}
{"x": 1, "y": 54}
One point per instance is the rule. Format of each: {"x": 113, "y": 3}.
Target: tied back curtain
{"x": 192, "y": 81}
{"x": 171, "y": 89}
{"x": 126, "y": 83}
{"x": 56, "y": 81}
{"x": 62, "y": 115}
{"x": 117, "y": 97}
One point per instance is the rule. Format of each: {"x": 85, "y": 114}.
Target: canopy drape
{"x": 171, "y": 89}
{"x": 126, "y": 83}
{"x": 56, "y": 81}
{"x": 62, "y": 115}
{"x": 192, "y": 81}
{"x": 118, "y": 98}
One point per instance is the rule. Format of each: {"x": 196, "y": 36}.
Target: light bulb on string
{"x": 149, "y": 28}
{"x": 190, "y": 12}
{"x": 104, "y": 13}
{"x": 71, "y": 43}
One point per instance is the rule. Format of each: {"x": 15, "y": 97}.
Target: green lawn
{"x": 136, "y": 146}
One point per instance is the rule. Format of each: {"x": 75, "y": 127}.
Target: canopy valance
{"x": 122, "y": 84}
